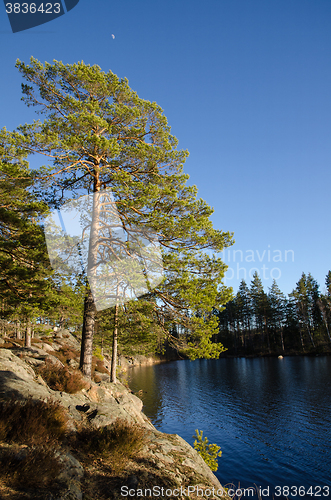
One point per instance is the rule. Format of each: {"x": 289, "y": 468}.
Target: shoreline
{"x": 128, "y": 362}
{"x": 165, "y": 460}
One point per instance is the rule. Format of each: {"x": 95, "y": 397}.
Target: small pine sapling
{"x": 209, "y": 452}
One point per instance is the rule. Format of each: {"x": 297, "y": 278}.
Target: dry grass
{"x": 96, "y": 378}
{"x": 12, "y": 343}
{"x": 62, "y": 379}
{"x": 29, "y": 468}
{"x": 65, "y": 354}
{"x": 100, "y": 367}
{"x": 97, "y": 368}
{"x": 100, "y": 484}
{"x": 7, "y": 345}
{"x": 34, "y": 430}
{"x": 115, "y": 444}
{"x": 32, "y": 422}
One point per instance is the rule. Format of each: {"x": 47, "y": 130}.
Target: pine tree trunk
{"x": 240, "y": 336}
{"x": 89, "y": 306}
{"x": 282, "y": 338}
{"x": 114, "y": 352}
{"x": 28, "y": 334}
{"x": 250, "y": 343}
{"x": 310, "y": 336}
{"x": 87, "y": 336}
{"x": 268, "y": 337}
{"x": 3, "y": 319}
{"x": 261, "y": 328}
{"x": 18, "y": 330}
{"x": 324, "y": 315}
{"x": 327, "y": 329}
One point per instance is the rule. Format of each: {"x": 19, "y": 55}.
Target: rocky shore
{"x": 163, "y": 461}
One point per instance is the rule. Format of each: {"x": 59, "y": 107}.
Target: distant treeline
{"x": 256, "y": 322}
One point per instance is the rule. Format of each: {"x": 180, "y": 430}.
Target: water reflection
{"x": 271, "y": 417}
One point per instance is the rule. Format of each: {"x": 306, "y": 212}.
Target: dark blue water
{"x": 271, "y": 417}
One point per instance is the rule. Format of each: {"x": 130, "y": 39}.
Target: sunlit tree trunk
{"x": 324, "y": 316}
{"x": 114, "y": 351}
{"x": 89, "y": 306}
{"x": 86, "y": 352}
{"x": 310, "y": 335}
{"x": 266, "y": 331}
{"x": 327, "y": 328}
{"x": 282, "y": 338}
{"x": 28, "y": 334}
{"x": 18, "y": 330}
{"x": 301, "y": 338}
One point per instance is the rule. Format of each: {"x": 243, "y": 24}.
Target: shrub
{"x": 65, "y": 354}
{"x": 96, "y": 378}
{"x": 97, "y": 365}
{"x": 32, "y": 422}
{"x": 116, "y": 443}
{"x": 209, "y": 452}
{"x": 3, "y": 428}
{"x": 62, "y": 379}
{"x": 100, "y": 367}
{"x": 48, "y": 338}
{"x": 7, "y": 345}
{"x": 32, "y": 468}
{"x": 98, "y": 353}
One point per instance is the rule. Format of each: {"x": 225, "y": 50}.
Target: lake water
{"x": 271, "y": 417}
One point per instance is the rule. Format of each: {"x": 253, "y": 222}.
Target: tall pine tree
{"x": 277, "y": 304}
{"x": 25, "y": 273}
{"x": 260, "y": 307}
{"x": 98, "y": 133}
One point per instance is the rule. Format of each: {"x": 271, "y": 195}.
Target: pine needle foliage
{"x": 209, "y": 452}
{"x": 101, "y": 135}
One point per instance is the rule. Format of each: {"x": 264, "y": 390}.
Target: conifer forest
{"x": 97, "y": 134}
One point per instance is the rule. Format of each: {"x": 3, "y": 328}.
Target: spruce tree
{"x": 324, "y": 304}
{"x": 328, "y": 284}
{"x": 260, "y": 306}
{"x": 277, "y": 302}
{"x": 306, "y": 295}
{"x": 244, "y": 310}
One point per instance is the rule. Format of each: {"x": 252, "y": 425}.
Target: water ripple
{"x": 272, "y": 420}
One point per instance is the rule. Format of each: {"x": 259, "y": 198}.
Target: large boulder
{"x": 18, "y": 379}
{"x": 107, "y": 401}
{"x": 169, "y": 456}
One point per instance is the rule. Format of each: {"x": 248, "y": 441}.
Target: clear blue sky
{"x": 246, "y": 88}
